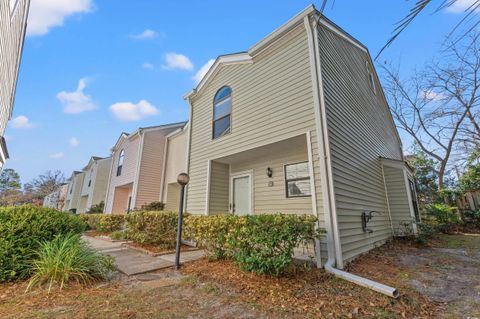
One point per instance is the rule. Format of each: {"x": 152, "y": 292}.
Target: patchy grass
{"x": 435, "y": 281}
{"x": 469, "y": 242}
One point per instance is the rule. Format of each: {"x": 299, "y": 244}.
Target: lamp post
{"x": 182, "y": 179}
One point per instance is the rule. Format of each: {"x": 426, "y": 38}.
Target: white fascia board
{"x": 342, "y": 34}
{"x": 239, "y": 58}
{"x": 283, "y": 29}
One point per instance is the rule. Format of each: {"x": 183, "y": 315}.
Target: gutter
{"x": 331, "y": 223}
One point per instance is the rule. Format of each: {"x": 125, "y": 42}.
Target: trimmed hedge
{"x": 155, "y": 228}
{"x": 22, "y": 229}
{"x": 104, "y": 223}
{"x": 261, "y": 243}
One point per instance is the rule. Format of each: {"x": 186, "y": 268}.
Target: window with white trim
{"x": 13, "y": 5}
{"x": 371, "y": 78}
{"x": 121, "y": 158}
{"x": 222, "y": 109}
{"x": 297, "y": 180}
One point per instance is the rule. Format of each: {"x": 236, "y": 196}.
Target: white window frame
{"x": 371, "y": 78}
{"x": 13, "y": 6}
{"x": 286, "y": 180}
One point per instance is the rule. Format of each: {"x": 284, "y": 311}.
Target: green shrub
{"x": 68, "y": 258}
{"x": 444, "y": 215}
{"x": 426, "y": 230}
{"x": 262, "y": 243}
{"x": 156, "y": 228}
{"x": 118, "y": 235}
{"x": 103, "y": 223}
{"x": 97, "y": 208}
{"x": 212, "y": 233}
{"x": 472, "y": 218}
{"x": 22, "y": 228}
{"x": 266, "y": 243}
{"x": 153, "y": 207}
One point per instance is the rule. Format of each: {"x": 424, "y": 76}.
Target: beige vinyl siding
{"x": 219, "y": 188}
{"x": 272, "y": 100}
{"x": 150, "y": 174}
{"x": 130, "y": 145}
{"x": 273, "y": 199}
{"x": 360, "y": 131}
{"x": 172, "y": 197}
{"x": 77, "y": 183}
{"x": 11, "y": 37}
{"x": 397, "y": 197}
{"x": 176, "y": 156}
{"x": 99, "y": 184}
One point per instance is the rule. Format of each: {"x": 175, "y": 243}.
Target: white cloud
{"x": 146, "y": 34}
{"x": 21, "y": 121}
{"x": 203, "y": 70}
{"x": 177, "y": 61}
{"x": 76, "y": 102}
{"x": 459, "y": 6}
{"x": 127, "y": 111}
{"x": 148, "y": 66}
{"x": 47, "y": 14}
{"x": 433, "y": 96}
{"x": 56, "y": 155}
{"x": 74, "y": 141}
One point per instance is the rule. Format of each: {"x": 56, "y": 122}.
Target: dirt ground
{"x": 441, "y": 280}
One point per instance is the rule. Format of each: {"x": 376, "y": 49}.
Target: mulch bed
{"x": 313, "y": 293}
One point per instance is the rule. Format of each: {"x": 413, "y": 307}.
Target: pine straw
{"x": 314, "y": 293}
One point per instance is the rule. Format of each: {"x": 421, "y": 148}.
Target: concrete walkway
{"x": 132, "y": 262}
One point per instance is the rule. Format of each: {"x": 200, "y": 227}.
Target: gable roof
{"x": 140, "y": 130}
{"x": 247, "y": 56}
{"x": 92, "y": 160}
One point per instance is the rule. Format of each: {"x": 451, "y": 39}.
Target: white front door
{"x": 241, "y": 195}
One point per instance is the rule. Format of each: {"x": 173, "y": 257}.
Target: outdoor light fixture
{"x": 269, "y": 172}
{"x": 183, "y": 180}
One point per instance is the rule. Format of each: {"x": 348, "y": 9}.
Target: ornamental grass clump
{"x": 66, "y": 259}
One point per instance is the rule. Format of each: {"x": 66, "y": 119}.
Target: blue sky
{"x": 94, "y": 68}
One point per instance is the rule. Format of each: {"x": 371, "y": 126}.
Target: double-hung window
{"x": 121, "y": 157}
{"x": 222, "y": 109}
{"x": 297, "y": 180}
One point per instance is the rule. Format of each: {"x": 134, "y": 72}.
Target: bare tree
{"x": 469, "y": 19}
{"x": 47, "y": 183}
{"x": 437, "y": 107}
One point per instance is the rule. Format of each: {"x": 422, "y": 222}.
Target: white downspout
{"x": 333, "y": 239}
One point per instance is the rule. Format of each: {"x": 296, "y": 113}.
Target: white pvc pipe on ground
{"x": 381, "y": 288}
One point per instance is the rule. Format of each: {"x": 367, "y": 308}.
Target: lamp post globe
{"x": 183, "y": 179}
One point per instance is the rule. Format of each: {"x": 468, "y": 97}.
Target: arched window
{"x": 222, "y": 108}
{"x": 120, "y": 162}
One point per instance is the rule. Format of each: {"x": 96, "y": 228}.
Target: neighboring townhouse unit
{"x": 174, "y": 163}
{"x": 94, "y": 185}
{"x": 56, "y": 199}
{"x": 13, "y": 24}
{"x": 136, "y": 168}
{"x": 299, "y": 124}
{"x": 72, "y": 200}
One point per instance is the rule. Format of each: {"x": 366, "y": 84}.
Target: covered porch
{"x": 274, "y": 178}
{"x": 122, "y": 199}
